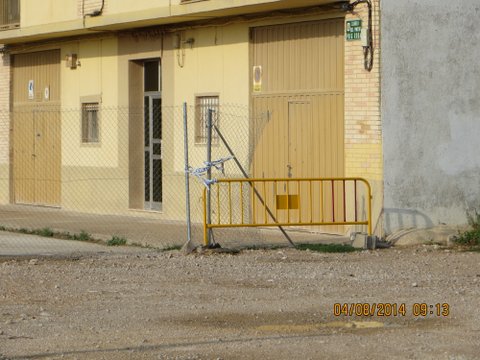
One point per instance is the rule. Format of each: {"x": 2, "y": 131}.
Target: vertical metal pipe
{"x": 205, "y": 226}
{"x": 187, "y": 176}
{"x": 209, "y": 172}
{"x": 265, "y": 203}
{"x": 241, "y": 202}
{"x": 254, "y": 210}
{"x": 333, "y": 200}
{"x": 321, "y": 201}
{"x": 288, "y": 201}
{"x": 230, "y": 202}
{"x": 355, "y": 195}
{"x": 276, "y": 204}
{"x": 299, "y": 203}
{"x": 218, "y": 205}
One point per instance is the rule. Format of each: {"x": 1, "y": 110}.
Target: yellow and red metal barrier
{"x": 288, "y": 202}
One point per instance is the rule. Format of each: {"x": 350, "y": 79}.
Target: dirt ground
{"x": 275, "y": 304}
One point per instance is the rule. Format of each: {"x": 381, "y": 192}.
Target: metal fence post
{"x": 187, "y": 175}
{"x": 209, "y": 173}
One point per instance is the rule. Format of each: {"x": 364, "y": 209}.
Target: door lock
{"x": 289, "y": 167}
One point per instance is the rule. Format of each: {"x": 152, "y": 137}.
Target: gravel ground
{"x": 275, "y": 304}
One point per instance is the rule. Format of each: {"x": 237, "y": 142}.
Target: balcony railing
{"x": 9, "y": 14}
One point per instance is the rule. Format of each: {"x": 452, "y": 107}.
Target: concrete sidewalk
{"x": 141, "y": 230}
{"x": 13, "y": 244}
{"x": 145, "y": 230}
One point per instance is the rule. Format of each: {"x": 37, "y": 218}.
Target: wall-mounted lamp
{"x": 71, "y": 61}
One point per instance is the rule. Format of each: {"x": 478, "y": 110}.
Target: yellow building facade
{"x": 276, "y": 65}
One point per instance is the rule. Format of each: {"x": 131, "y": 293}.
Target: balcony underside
{"x": 175, "y": 14}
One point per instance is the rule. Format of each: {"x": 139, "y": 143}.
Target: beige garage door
{"x": 298, "y": 104}
{"x": 36, "y": 128}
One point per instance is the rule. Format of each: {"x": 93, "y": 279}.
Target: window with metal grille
{"x": 9, "y": 14}
{"x": 90, "y": 123}
{"x": 202, "y": 106}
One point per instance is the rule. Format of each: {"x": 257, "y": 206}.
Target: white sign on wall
{"x": 257, "y": 78}
{"x": 31, "y": 90}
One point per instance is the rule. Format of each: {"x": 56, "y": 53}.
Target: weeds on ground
{"x": 117, "y": 241}
{"x": 327, "y": 248}
{"x": 45, "y": 232}
{"x": 48, "y": 232}
{"x": 171, "y": 248}
{"x": 83, "y": 236}
{"x": 471, "y": 238}
{"x": 264, "y": 247}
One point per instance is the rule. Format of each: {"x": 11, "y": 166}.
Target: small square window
{"x": 203, "y": 104}
{"x": 90, "y": 123}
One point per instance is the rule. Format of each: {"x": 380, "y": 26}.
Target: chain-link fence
{"x": 119, "y": 172}
{"x": 104, "y": 171}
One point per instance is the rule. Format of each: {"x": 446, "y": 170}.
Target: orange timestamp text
{"x": 391, "y": 309}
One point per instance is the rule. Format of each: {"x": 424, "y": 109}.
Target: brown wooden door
{"x": 36, "y": 128}
{"x": 24, "y": 157}
{"x": 298, "y": 108}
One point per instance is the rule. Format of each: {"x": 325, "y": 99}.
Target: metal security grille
{"x": 9, "y": 14}
{"x": 202, "y": 106}
{"x": 90, "y": 123}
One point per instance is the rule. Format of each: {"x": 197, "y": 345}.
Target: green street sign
{"x": 354, "y": 29}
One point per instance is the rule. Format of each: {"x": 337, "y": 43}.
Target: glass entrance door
{"x": 153, "y": 152}
{"x": 152, "y": 135}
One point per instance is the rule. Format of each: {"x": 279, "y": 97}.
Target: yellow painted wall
{"x": 94, "y": 176}
{"x": 216, "y": 63}
{"x": 34, "y": 12}
{"x": 116, "y": 6}
{"x": 96, "y": 75}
